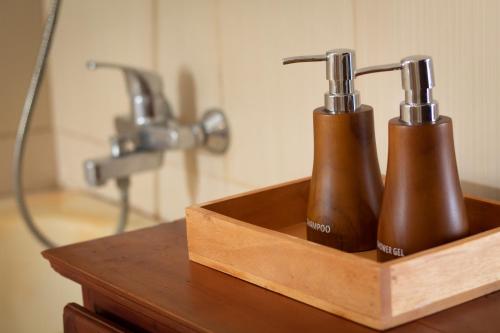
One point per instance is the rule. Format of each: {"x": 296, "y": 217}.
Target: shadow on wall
{"x": 188, "y": 114}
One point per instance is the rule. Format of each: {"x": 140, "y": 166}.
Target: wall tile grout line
{"x": 155, "y": 40}
{"x": 7, "y": 135}
{"x": 77, "y": 135}
{"x": 220, "y": 79}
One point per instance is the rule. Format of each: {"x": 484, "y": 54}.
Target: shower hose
{"x": 22, "y": 133}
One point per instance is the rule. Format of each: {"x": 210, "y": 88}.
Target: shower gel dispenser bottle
{"x": 346, "y": 185}
{"x": 422, "y": 205}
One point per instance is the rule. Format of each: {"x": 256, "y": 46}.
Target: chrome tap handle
{"x": 145, "y": 90}
{"x": 140, "y": 77}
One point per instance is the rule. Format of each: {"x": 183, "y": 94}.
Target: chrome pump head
{"x": 340, "y": 72}
{"x": 417, "y": 80}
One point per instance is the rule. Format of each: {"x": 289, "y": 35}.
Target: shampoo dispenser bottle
{"x": 346, "y": 185}
{"x": 422, "y": 205}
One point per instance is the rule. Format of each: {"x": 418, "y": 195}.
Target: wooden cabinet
{"x": 79, "y": 320}
{"x": 143, "y": 281}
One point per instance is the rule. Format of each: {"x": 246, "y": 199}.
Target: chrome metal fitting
{"x": 417, "y": 80}
{"x": 151, "y": 129}
{"x": 148, "y": 105}
{"x": 340, "y": 72}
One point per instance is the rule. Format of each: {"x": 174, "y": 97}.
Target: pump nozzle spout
{"x": 340, "y": 72}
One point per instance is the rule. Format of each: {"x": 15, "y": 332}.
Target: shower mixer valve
{"x": 151, "y": 129}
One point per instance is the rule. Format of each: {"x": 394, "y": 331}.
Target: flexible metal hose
{"x": 23, "y": 129}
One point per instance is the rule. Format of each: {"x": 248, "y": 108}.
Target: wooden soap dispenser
{"x": 346, "y": 184}
{"x": 423, "y": 205}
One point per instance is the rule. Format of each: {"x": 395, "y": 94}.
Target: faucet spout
{"x": 99, "y": 171}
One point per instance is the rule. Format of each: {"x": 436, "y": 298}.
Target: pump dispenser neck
{"x": 417, "y": 80}
{"x": 340, "y": 73}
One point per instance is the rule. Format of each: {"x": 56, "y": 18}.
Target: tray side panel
{"x": 483, "y": 214}
{"x": 274, "y": 207}
{"x": 446, "y": 276}
{"x": 337, "y": 282}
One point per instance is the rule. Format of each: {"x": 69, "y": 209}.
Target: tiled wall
{"x": 21, "y": 23}
{"x": 226, "y": 54}
{"x": 222, "y": 54}
{"x": 86, "y": 102}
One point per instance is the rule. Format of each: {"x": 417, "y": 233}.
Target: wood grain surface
{"x": 257, "y": 237}
{"x": 346, "y": 185}
{"x": 423, "y": 205}
{"x": 147, "y": 273}
{"x": 79, "y": 320}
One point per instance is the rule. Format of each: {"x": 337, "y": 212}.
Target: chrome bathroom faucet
{"x": 143, "y": 136}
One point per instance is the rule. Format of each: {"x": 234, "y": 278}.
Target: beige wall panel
{"x": 39, "y": 164}
{"x": 189, "y": 63}
{"x": 228, "y": 54}
{"x": 219, "y": 53}
{"x": 187, "y": 59}
{"x": 21, "y": 22}
{"x": 461, "y": 36}
{"x": 195, "y": 46}
{"x": 180, "y": 189}
{"x": 117, "y": 31}
{"x": 187, "y": 56}
{"x": 20, "y": 34}
{"x": 269, "y": 105}
{"x": 85, "y": 102}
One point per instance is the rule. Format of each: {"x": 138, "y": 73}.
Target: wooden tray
{"x": 259, "y": 237}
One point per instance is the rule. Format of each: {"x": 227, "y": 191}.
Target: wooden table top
{"x": 150, "y": 269}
